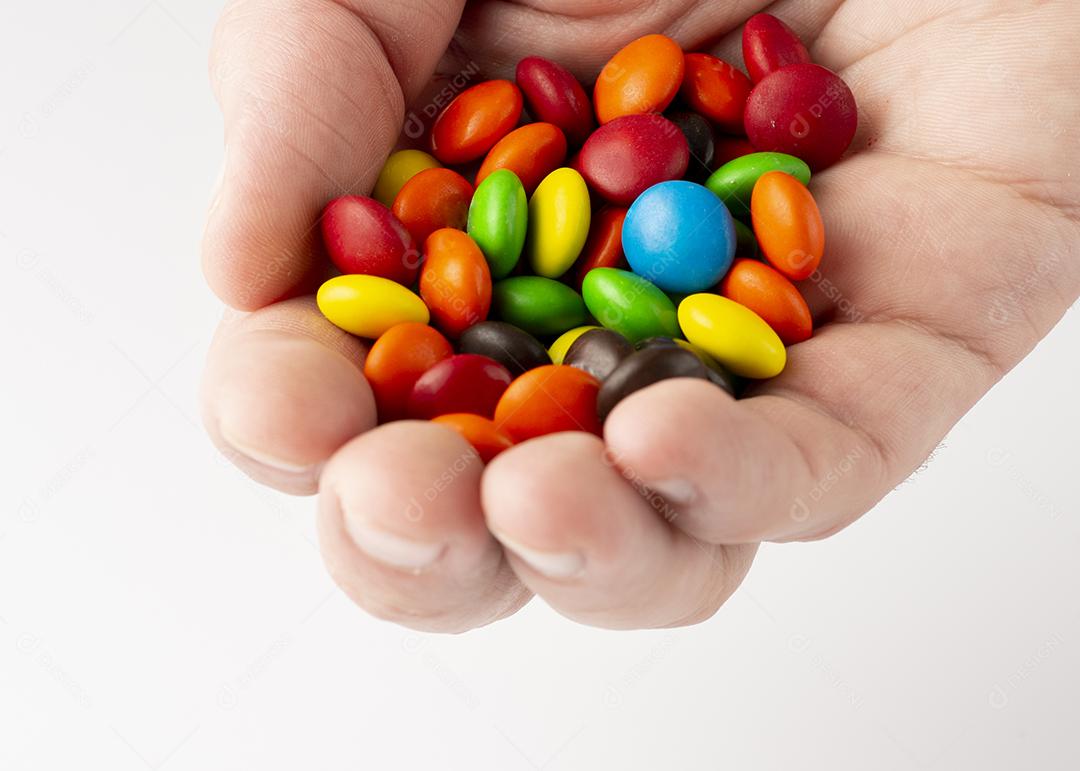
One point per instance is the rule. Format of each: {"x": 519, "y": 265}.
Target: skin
{"x": 953, "y": 248}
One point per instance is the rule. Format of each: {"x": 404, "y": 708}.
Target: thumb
{"x": 313, "y": 96}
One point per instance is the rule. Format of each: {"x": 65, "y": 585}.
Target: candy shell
{"x": 559, "y": 348}
{"x": 499, "y": 220}
{"x": 717, "y": 90}
{"x": 769, "y": 45}
{"x": 532, "y": 152}
{"x": 766, "y": 292}
{"x": 701, "y": 140}
{"x": 363, "y": 236}
{"x": 555, "y": 96}
{"x": 643, "y": 77}
{"x": 433, "y": 199}
{"x": 734, "y": 181}
{"x": 367, "y": 306}
{"x": 399, "y": 168}
{"x": 630, "y": 154}
{"x": 603, "y": 249}
{"x": 559, "y": 219}
{"x": 733, "y": 335}
{"x": 788, "y": 225}
{"x": 463, "y": 383}
{"x": 629, "y": 304}
{"x": 478, "y": 118}
{"x": 514, "y": 348}
{"x": 598, "y": 352}
{"x": 482, "y": 433}
{"x": 548, "y": 400}
{"x": 643, "y": 369}
{"x": 397, "y": 360}
{"x": 540, "y": 306}
{"x": 455, "y": 281}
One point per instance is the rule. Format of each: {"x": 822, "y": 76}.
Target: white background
{"x": 159, "y": 611}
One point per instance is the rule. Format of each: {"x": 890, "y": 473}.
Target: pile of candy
{"x": 666, "y": 246}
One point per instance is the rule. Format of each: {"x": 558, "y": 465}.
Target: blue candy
{"x": 680, "y": 236}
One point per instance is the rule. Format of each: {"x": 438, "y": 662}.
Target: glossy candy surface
{"x": 641, "y": 78}
{"x": 399, "y": 168}
{"x": 555, "y": 96}
{"x": 559, "y": 219}
{"x": 803, "y": 110}
{"x": 363, "y": 236}
{"x": 397, "y": 360}
{"x": 733, "y": 335}
{"x": 562, "y": 344}
{"x": 679, "y": 236}
{"x": 462, "y": 383}
{"x": 629, "y": 304}
{"x": 478, "y": 118}
{"x": 734, "y": 181}
{"x": 547, "y": 400}
{"x": 631, "y": 154}
{"x": 433, "y": 199}
{"x": 499, "y": 220}
{"x": 514, "y": 348}
{"x": 481, "y": 433}
{"x": 603, "y": 249}
{"x": 455, "y": 281}
{"x": 645, "y": 368}
{"x": 531, "y": 152}
{"x": 540, "y": 306}
{"x": 788, "y": 225}
{"x": 717, "y": 373}
{"x": 766, "y": 292}
{"x": 598, "y": 352}
{"x": 730, "y": 148}
{"x": 717, "y": 90}
{"x": 367, "y": 306}
{"x": 701, "y": 140}
{"x": 769, "y": 45}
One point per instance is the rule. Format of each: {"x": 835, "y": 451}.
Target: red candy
{"x": 547, "y": 400}
{"x": 363, "y": 236}
{"x": 717, "y": 90}
{"x": 532, "y": 152}
{"x": 604, "y": 247}
{"x": 803, "y": 110}
{"x": 555, "y": 96}
{"x": 478, "y": 118}
{"x": 463, "y": 383}
{"x": 397, "y": 360}
{"x": 628, "y": 155}
{"x": 433, "y": 199}
{"x": 730, "y": 148}
{"x": 455, "y": 282}
{"x": 481, "y": 433}
{"x": 769, "y": 45}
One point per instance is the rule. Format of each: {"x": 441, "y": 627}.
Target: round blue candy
{"x": 679, "y": 236}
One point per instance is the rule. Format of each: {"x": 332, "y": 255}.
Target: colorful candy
{"x": 717, "y": 373}
{"x": 629, "y": 304}
{"x": 455, "y": 281}
{"x": 643, "y": 77}
{"x": 717, "y": 90}
{"x": 559, "y": 218}
{"x": 433, "y": 199}
{"x": 514, "y": 348}
{"x": 788, "y": 225}
{"x": 462, "y": 383}
{"x": 627, "y": 156}
{"x": 766, "y": 292}
{"x": 603, "y": 249}
{"x": 548, "y": 400}
{"x": 531, "y": 152}
{"x": 540, "y": 306}
{"x": 478, "y": 118}
{"x": 598, "y": 352}
{"x": 554, "y": 95}
{"x": 734, "y": 181}
{"x": 367, "y": 306}
{"x": 499, "y": 220}
{"x": 363, "y": 236}
{"x": 397, "y": 360}
{"x": 769, "y": 45}
{"x": 700, "y": 139}
{"x": 645, "y": 368}
{"x": 485, "y": 437}
{"x": 399, "y": 168}
{"x": 562, "y": 343}
{"x": 733, "y": 335}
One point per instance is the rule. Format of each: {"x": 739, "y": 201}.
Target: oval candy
{"x": 482, "y": 433}
{"x": 562, "y": 344}
{"x": 548, "y": 400}
{"x": 730, "y": 148}
{"x": 540, "y": 306}
{"x": 463, "y": 383}
{"x": 598, "y": 352}
{"x": 717, "y": 373}
{"x": 734, "y": 181}
{"x": 700, "y": 139}
{"x": 769, "y": 45}
{"x": 531, "y": 152}
{"x": 477, "y": 118}
{"x": 629, "y": 304}
{"x": 363, "y": 236}
{"x": 367, "y": 306}
{"x": 559, "y": 217}
{"x": 399, "y": 168}
{"x": 455, "y": 281}
{"x": 628, "y": 155}
{"x": 603, "y": 249}
{"x": 397, "y": 360}
{"x": 717, "y": 90}
{"x": 645, "y": 368}
{"x": 733, "y": 335}
{"x": 555, "y": 96}
{"x": 643, "y": 77}
{"x": 766, "y": 292}
{"x": 499, "y": 220}
{"x": 788, "y": 225}
{"x": 433, "y": 199}
{"x": 514, "y": 348}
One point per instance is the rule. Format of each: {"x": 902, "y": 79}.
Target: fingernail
{"x": 677, "y": 491}
{"x": 557, "y": 565}
{"x": 390, "y": 549}
{"x": 260, "y": 456}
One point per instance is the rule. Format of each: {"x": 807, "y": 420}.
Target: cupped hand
{"x": 953, "y": 248}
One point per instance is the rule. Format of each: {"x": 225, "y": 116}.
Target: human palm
{"x": 953, "y": 248}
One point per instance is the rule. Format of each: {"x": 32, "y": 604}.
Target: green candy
{"x": 632, "y": 306}
{"x": 499, "y": 220}
{"x": 540, "y": 306}
{"x": 734, "y": 181}
{"x": 747, "y": 245}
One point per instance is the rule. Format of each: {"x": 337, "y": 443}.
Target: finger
{"x": 401, "y": 530}
{"x": 580, "y": 535}
{"x": 313, "y": 97}
{"x": 282, "y": 391}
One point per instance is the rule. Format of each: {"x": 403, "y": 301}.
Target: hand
{"x": 953, "y": 248}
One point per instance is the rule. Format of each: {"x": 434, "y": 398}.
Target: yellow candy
{"x": 367, "y": 306}
{"x": 399, "y": 169}
{"x": 559, "y": 219}
{"x": 733, "y": 335}
{"x": 559, "y": 348}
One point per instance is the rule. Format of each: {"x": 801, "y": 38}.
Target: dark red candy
{"x": 554, "y": 95}
{"x": 700, "y": 138}
{"x": 803, "y": 110}
{"x": 730, "y": 148}
{"x": 769, "y": 45}
{"x": 363, "y": 236}
{"x": 627, "y": 156}
{"x": 463, "y": 383}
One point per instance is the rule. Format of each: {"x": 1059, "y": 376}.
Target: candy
{"x": 643, "y": 369}
{"x": 770, "y": 295}
{"x": 367, "y": 306}
{"x": 788, "y": 225}
{"x": 363, "y": 236}
{"x": 399, "y": 169}
{"x": 540, "y": 306}
{"x": 554, "y": 95}
{"x": 397, "y": 360}
{"x": 462, "y": 383}
{"x": 514, "y": 348}
{"x": 627, "y": 156}
{"x": 433, "y": 199}
{"x": 769, "y": 45}
{"x": 803, "y": 110}
{"x": 730, "y": 148}
{"x": 559, "y": 218}
{"x": 717, "y": 373}
{"x": 700, "y": 139}
{"x": 746, "y": 245}
{"x": 598, "y": 352}
{"x": 478, "y": 118}
{"x": 499, "y": 220}
{"x": 643, "y": 77}
{"x": 679, "y": 236}
{"x": 485, "y": 437}
{"x": 734, "y": 181}
{"x": 547, "y": 400}
{"x": 733, "y": 335}
{"x": 717, "y": 90}
{"x": 629, "y": 304}
{"x": 603, "y": 249}
{"x": 455, "y": 281}
{"x": 558, "y": 349}
{"x": 532, "y": 152}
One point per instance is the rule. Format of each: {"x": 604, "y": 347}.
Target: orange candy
{"x": 478, "y": 118}
{"x": 767, "y": 293}
{"x": 788, "y": 225}
{"x": 481, "y": 433}
{"x": 717, "y": 90}
{"x": 604, "y": 247}
{"x": 547, "y": 400}
{"x": 643, "y": 77}
{"x": 455, "y": 281}
{"x": 532, "y": 152}
{"x": 433, "y": 199}
{"x": 397, "y": 360}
